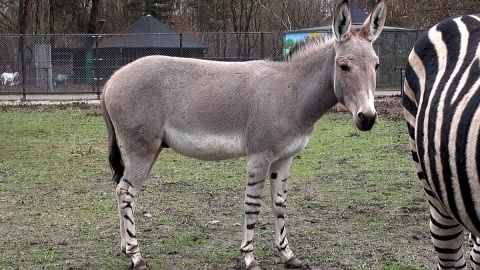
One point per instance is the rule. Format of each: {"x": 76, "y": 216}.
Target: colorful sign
{"x": 290, "y": 39}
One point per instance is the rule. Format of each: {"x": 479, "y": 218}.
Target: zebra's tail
{"x": 114, "y": 153}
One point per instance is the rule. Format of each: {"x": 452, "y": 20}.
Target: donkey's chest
{"x": 294, "y": 145}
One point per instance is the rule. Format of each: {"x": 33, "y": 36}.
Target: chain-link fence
{"x": 393, "y": 48}
{"x": 78, "y": 64}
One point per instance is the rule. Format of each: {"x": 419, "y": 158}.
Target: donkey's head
{"x": 356, "y": 63}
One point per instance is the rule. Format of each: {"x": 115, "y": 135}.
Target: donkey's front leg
{"x": 257, "y": 169}
{"x": 126, "y": 195}
{"x": 279, "y": 173}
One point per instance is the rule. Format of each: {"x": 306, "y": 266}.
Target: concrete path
{"x": 49, "y": 99}
{"x": 91, "y": 98}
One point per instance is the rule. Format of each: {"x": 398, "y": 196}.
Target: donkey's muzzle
{"x": 366, "y": 120}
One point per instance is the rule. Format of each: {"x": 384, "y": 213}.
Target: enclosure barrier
{"x": 81, "y": 64}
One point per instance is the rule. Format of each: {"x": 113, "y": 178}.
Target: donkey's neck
{"x": 315, "y": 91}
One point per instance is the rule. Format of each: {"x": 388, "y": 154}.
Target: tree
{"x": 288, "y": 14}
{"x": 92, "y": 22}
{"x": 81, "y": 16}
{"x": 423, "y": 14}
{"x": 209, "y": 15}
{"x": 9, "y": 15}
{"x": 160, "y": 9}
{"x": 24, "y": 11}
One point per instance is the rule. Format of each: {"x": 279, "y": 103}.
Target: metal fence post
{"x": 262, "y": 52}
{"x": 22, "y": 60}
{"x": 181, "y": 45}
{"x": 95, "y": 68}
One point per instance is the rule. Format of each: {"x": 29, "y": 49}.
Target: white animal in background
{"x": 61, "y": 78}
{"x": 10, "y": 78}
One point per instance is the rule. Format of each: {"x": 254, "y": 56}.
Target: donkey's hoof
{"x": 294, "y": 262}
{"x": 253, "y": 266}
{"x": 141, "y": 265}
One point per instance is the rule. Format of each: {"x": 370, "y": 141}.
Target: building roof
{"x": 149, "y": 32}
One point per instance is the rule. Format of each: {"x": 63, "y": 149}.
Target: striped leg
{"x": 446, "y": 233}
{"x": 475, "y": 253}
{"x": 279, "y": 173}
{"x": 127, "y": 197}
{"x": 257, "y": 168}
{"x": 447, "y": 237}
{"x": 127, "y": 192}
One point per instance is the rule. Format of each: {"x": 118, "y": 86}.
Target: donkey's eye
{"x": 344, "y": 67}
{"x": 377, "y": 66}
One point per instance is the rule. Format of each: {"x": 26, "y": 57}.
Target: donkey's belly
{"x": 203, "y": 145}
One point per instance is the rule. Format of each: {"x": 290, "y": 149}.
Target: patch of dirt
{"x": 388, "y": 106}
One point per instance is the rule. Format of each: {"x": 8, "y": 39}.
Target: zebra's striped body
{"x": 442, "y": 108}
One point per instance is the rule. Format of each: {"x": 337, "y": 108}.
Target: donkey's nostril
{"x": 365, "y": 121}
{"x": 370, "y": 117}
{"x": 360, "y": 116}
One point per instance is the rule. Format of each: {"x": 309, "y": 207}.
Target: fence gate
{"x": 43, "y": 67}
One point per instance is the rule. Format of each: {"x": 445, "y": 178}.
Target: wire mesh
{"x": 76, "y": 64}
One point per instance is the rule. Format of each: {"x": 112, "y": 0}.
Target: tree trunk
{"x": 92, "y": 22}
{"x": 24, "y": 11}
{"x": 51, "y": 17}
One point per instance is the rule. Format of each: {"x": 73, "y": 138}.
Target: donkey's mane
{"x": 299, "y": 50}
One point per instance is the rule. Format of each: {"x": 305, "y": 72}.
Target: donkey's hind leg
{"x": 279, "y": 173}
{"x": 138, "y": 168}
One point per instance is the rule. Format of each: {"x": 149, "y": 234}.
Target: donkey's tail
{"x": 114, "y": 153}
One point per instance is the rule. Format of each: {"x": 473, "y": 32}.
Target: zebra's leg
{"x": 447, "y": 237}
{"x": 279, "y": 173}
{"x": 475, "y": 252}
{"x": 257, "y": 169}
{"x": 128, "y": 189}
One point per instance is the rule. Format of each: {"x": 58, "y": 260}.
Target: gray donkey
{"x": 263, "y": 110}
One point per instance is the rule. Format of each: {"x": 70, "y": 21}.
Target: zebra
{"x": 441, "y": 106}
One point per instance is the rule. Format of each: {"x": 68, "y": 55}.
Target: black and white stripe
{"x": 442, "y": 108}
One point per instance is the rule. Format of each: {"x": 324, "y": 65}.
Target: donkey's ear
{"x": 373, "y": 25}
{"x": 342, "y": 21}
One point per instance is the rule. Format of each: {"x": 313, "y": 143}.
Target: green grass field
{"x": 354, "y": 200}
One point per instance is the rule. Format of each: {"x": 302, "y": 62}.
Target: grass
{"x": 354, "y": 200}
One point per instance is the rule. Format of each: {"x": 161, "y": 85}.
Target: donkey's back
{"x": 173, "y": 78}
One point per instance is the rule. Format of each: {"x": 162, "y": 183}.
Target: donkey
{"x": 262, "y": 109}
